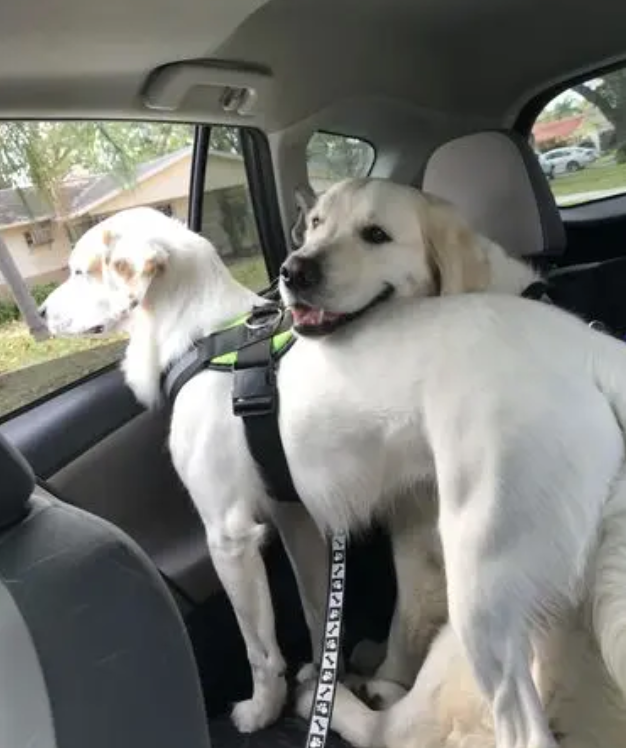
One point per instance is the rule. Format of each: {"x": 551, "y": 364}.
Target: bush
{"x": 8, "y": 308}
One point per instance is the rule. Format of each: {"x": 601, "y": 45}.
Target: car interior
{"x": 113, "y": 628}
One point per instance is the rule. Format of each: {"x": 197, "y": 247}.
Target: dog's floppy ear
{"x": 454, "y": 250}
{"x": 136, "y": 260}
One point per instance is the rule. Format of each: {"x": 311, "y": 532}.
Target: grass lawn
{"x": 29, "y": 370}
{"x": 251, "y": 272}
{"x": 596, "y": 177}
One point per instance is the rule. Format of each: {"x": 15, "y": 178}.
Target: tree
{"x": 608, "y": 94}
{"x": 338, "y": 155}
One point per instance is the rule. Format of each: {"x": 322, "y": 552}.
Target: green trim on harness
{"x": 280, "y": 342}
{"x": 248, "y": 348}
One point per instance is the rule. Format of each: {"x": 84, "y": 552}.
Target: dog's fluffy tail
{"x": 608, "y": 594}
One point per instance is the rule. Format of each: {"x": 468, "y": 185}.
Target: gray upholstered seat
{"x": 93, "y": 653}
{"x": 495, "y": 180}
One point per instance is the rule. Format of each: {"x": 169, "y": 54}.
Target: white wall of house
{"x": 170, "y": 185}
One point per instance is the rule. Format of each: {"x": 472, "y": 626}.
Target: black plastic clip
{"x": 254, "y": 391}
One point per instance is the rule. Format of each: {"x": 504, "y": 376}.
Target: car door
{"x": 63, "y": 403}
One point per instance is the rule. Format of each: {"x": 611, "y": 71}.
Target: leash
{"x": 324, "y": 700}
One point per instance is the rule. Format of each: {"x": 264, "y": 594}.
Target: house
{"x": 40, "y": 238}
{"x": 587, "y": 127}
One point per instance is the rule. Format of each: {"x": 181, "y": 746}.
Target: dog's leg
{"x": 308, "y": 554}
{"x": 421, "y": 604}
{"x": 491, "y": 609}
{"x": 234, "y": 543}
{"x": 443, "y": 697}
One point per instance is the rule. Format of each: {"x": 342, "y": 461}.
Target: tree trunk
{"x": 21, "y": 294}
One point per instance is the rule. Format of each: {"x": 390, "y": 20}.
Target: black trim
{"x": 264, "y": 196}
{"x": 70, "y": 423}
{"x": 199, "y": 158}
{"x": 536, "y": 291}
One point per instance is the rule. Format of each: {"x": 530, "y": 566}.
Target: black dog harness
{"x": 249, "y": 348}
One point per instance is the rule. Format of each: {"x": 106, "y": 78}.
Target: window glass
{"x": 580, "y": 140}
{"x": 57, "y": 179}
{"x": 331, "y": 158}
{"x": 227, "y": 214}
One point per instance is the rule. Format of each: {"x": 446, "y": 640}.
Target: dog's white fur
{"x": 516, "y": 409}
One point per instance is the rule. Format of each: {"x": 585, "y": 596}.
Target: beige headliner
{"x": 461, "y": 59}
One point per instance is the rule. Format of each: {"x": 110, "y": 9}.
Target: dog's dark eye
{"x": 315, "y": 222}
{"x": 78, "y": 272}
{"x": 374, "y": 235}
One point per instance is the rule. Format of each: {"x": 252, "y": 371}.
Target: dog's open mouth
{"x": 312, "y": 321}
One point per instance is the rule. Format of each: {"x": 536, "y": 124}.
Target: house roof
{"x": 25, "y": 206}
{"x": 557, "y": 129}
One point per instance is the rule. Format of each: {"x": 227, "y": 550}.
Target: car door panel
{"x": 98, "y": 449}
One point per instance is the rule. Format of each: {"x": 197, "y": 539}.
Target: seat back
{"x": 93, "y": 652}
{"x": 495, "y": 180}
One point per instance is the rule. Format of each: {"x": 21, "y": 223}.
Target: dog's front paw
{"x": 376, "y": 693}
{"x": 303, "y": 701}
{"x": 262, "y": 709}
{"x": 367, "y": 655}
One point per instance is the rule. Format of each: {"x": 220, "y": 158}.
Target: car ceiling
{"x": 481, "y": 59}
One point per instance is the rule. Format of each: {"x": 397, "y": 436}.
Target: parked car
{"x": 569, "y": 159}
{"x": 546, "y": 166}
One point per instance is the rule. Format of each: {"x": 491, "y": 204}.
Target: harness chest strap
{"x": 249, "y": 352}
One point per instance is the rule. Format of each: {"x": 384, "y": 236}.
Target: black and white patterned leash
{"x": 322, "y": 707}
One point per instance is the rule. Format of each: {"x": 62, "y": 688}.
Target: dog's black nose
{"x": 300, "y": 273}
{"x": 42, "y": 311}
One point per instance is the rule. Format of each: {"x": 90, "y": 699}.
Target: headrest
{"x": 17, "y": 482}
{"x": 495, "y": 180}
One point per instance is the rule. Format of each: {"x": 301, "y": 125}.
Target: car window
{"x": 228, "y": 219}
{"x": 57, "y": 179}
{"x": 582, "y": 134}
{"x": 332, "y": 157}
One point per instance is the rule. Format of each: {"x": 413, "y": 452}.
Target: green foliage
{"x": 608, "y": 95}
{"x": 8, "y": 308}
{"x": 45, "y": 154}
{"x": 339, "y": 157}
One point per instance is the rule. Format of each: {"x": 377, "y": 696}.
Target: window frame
{"x": 527, "y": 116}
{"x": 261, "y": 184}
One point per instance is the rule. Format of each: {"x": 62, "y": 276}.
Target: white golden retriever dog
{"x": 515, "y": 409}
{"x": 148, "y": 273}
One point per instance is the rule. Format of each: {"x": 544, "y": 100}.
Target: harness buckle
{"x": 254, "y": 391}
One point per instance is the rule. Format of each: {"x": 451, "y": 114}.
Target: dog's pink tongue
{"x": 304, "y": 315}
